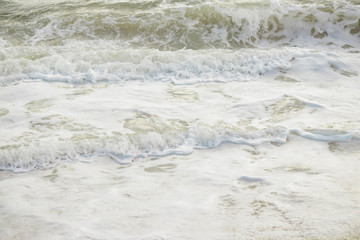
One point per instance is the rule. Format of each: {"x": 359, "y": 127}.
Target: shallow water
{"x": 179, "y": 119}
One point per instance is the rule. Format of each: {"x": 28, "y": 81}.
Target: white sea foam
{"x": 47, "y": 152}
{"x": 117, "y": 65}
{"x": 218, "y": 193}
{"x": 172, "y": 119}
{"x": 50, "y": 124}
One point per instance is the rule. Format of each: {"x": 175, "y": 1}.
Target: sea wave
{"x": 174, "y": 25}
{"x": 55, "y": 139}
{"x": 118, "y": 65}
{"x": 148, "y": 136}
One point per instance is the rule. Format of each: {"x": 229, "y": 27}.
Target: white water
{"x": 299, "y": 190}
{"x": 164, "y": 120}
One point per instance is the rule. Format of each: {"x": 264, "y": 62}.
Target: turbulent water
{"x": 177, "y": 41}
{"x": 127, "y": 80}
{"x": 88, "y": 45}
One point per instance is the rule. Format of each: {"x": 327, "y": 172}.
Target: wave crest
{"x": 173, "y": 26}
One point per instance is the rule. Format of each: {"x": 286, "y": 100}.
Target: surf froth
{"x": 95, "y": 47}
{"x": 174, "y": 119}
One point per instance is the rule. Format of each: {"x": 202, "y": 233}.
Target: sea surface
{"x": 172, "y": 119}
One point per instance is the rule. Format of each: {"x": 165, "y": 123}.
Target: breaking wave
{"x": 148, "y": 136}
{"x": 174, "y": 25}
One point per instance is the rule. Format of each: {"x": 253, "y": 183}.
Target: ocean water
{"x": 174, "y": 119}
